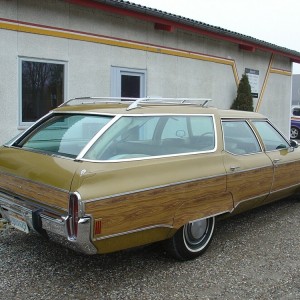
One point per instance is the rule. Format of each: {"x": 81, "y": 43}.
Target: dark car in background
{"x": 295, "y": 122}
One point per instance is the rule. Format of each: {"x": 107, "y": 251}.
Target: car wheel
{"x": 294, "y": 132}
{"x": 192, "y": 239}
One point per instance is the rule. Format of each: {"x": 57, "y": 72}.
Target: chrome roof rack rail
{"x": 95, "y": 100}
{"x": 175, "y": 101}
{"x": 137, "y": 102}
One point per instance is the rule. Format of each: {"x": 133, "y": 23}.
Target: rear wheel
{"x": 192, "y": 239}
{"x": 294, "y": 132}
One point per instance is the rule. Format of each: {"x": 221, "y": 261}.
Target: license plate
{"x": 19, "y": 224}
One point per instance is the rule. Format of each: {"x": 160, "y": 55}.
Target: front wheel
{"x": 192, "y": 239}
{"x": 294, "y": 132}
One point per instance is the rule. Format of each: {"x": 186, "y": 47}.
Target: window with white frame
{"x": 127, "y": 82}
{"x": 42, "y": 87}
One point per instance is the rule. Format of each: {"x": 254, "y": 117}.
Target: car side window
{"x": 134, "y": 137}
{"x": 239, "y": 138}
{"x": 188, "y": 134}
{"x": 272, "y": 139}
{"x": 296, "y": 111}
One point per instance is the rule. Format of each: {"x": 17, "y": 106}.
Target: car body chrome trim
{"x": 252, "y": 169}
{"x": 42, "y": 152}
{"x": 286, "y": 188}
{"x": 152, "y": 188}
{"x": 211, "y": 216}
{"x": 132, "y": 231}
{"x": 152, "y": 227}
{"x": 249, "y": 199}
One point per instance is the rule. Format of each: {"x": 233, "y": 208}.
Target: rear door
{"x": 249, "y": 169}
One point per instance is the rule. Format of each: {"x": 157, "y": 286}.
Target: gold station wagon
{"x": 104, "y": 176}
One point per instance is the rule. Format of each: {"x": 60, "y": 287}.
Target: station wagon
{"x": 103, "y": 175}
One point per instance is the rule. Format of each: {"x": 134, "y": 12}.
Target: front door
{"x": 286, "y": 160}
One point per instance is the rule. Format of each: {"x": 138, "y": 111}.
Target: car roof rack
{"x": 171, "y": 101}
{"x": 137, "y": 102}
{"x": 95, "y": 100}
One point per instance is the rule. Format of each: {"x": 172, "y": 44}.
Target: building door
{"x": 128, "y": 83}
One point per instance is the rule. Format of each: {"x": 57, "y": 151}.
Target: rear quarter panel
{"x": 162, "y": 192}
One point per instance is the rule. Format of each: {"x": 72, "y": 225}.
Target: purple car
{"x": 295, "y": 122}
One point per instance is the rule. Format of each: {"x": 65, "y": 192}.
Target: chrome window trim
{"x": 26, "y": 131}
{"x": 277, "y": 130}
{"x": 147, "y": 158}
{"x": 119, "y": 116}
{"x": 48, "y": 115}
{"x": 248, "y": 121}
{"x": 243, "y": 154}
{"x": 96, "y": 137}
{"x": 115, "y": 118}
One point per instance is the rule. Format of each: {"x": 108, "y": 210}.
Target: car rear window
{"x": 64, "y": 134}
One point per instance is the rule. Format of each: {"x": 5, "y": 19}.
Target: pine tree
{"x": 244, "y": 99}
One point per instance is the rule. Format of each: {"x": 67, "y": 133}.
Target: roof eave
{"x": 166, "y": 21}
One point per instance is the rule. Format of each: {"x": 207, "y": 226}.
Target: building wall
{"x": 177, "y": 64}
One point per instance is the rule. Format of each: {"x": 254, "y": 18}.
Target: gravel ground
{"x": 254, "y": 255}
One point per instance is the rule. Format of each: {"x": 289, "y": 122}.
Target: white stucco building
{"x": 53, "y": 50}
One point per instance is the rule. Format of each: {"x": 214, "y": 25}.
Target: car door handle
{"x": 234, "y": 168}
{"x": 276, "y": 160}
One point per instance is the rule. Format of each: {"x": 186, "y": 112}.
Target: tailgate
{"x": 38, "y": 178}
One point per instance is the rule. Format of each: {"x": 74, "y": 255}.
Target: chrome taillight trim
{"x": 75, "y": 212}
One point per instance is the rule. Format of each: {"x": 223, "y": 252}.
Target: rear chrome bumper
{"x": 49, "y": 225}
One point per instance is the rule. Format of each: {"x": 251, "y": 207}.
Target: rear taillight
{"x": 72, "y": 224}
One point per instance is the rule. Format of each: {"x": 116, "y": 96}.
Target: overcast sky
{"x": 274, "y": 21}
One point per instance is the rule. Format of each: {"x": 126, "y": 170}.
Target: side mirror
{"x": 294, "y": 144}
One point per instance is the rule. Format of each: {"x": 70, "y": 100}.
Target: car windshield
{"x": 134, "y": 137}
{"x": 63, "y": 134}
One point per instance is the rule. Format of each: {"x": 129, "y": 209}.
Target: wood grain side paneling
{"x": 286, "y": 175}
{"x": 34, "y": 191}
{"x": 250, "y": 183}
{"x": 157, "y": 206}
{"x": 201, "y": 207}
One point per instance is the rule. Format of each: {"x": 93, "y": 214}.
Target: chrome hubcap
{"x": 195, "y": 231}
